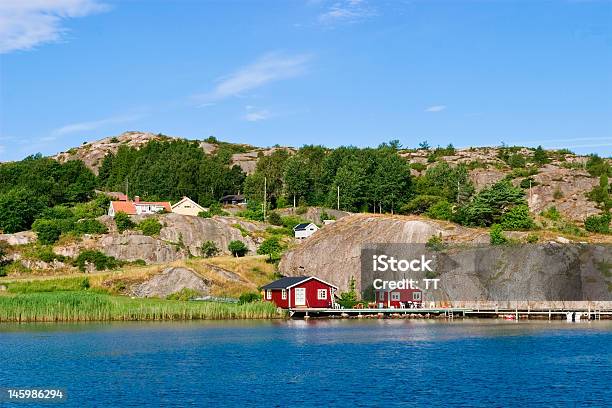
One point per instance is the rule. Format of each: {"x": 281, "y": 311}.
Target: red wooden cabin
{"x": 300, "y": 291}
{"x": 399, "y": 298}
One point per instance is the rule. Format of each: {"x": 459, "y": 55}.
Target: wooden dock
{"x": 451, "y": 313}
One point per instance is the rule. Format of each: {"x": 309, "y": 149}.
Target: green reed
{"x": 91, "y": 306}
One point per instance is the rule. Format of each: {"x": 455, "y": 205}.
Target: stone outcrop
{"x": 134, "y": 246}
{"x": 192, "y": 232}
{"x": 19, "y": 238}
{"x": 172, "y": 280}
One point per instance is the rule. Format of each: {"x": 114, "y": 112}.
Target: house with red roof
{"x": 138, "y": 207}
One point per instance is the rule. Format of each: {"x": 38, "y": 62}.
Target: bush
{"x": 237, "y": 248}
{"x": 249, "y": 297}
{"x": 532, "y": 238}
{"x": 43, "y": 253}
{"x": 123, "y": 221}
{"x": 325, "y": 216}
{"x": 349, "y": 299}
{"x": 435, "y": 243}
{"x": 301, "y": 210}
{"x": 596, "y": 166}
{"x": 275, "y": 219}
{"x": 96, "y": 258}
{"x": 528, "y": 182}
{"x": 205, "y": 214}
{"x": 599, "y": 224}
{"x": 517, "y": 161}
{"x": 517, "y": 218}
{"x": 90, "y": 226}
{"x": 551, "y": 213}
{"x": 150, "y": 226}
{"x": 442, "y": 210}
{"x": 540, "y": 156}
{"x": 184, "y": 294}
{"x": 216, "y": 209}
{"x": 48, "y": 231}
{"x": 418, "y": 166}
{"x": 497, "y": 235}
{"x": 209, "y": 249}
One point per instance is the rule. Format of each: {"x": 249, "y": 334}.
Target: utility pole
{"x": 265, "y": 197}
{"x": 127, "y": 186}
{"x": 338, "y": 198}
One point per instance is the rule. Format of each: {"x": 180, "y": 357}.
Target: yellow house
{"x": 187, "y": 207}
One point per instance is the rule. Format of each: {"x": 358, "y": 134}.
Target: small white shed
{"x": 304, "y": 230}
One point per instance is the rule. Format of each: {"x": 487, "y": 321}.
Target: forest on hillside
{"x": 356, "y": 179}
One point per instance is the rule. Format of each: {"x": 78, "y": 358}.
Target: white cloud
{"x": 25, "y": 24}
{"x": 346, "y": 11}
{"x": 268, "y": 68}
{"x": 89, "y": 126}
{"x": 435, "y": 108}
{"x": 253, "y": 114}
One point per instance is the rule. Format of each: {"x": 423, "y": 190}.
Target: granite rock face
{"x": 19, "y": 238}
{"x": 134, "y": 246}
{"x": 171, "y": 280}
{"x": 192, "y": 232}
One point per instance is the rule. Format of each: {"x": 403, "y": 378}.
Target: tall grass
{"x": 88, "y": 306}
{"x": 50, "y": 285}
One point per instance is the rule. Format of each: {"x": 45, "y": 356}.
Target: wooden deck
{"x": 587, "y": 314}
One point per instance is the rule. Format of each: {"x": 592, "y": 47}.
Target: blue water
{"x": 318, "y": 363}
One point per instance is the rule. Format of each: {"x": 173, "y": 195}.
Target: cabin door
{"x": 300, "y": 296}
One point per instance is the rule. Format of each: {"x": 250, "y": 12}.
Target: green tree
{"x": 237, "y": 248}
{"x": 490, "y": 204}
{"x": 209, "y": 249}
{"x": 271, "y": 247}
{"x": 297, "y": 179}
{"x": 18, "y": 208}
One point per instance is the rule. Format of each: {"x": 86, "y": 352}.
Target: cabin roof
{"x": 291, "y": 281}
{"x": 302, "y": 226}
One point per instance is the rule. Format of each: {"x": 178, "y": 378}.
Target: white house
{"x": 138, "y": 207}
{"x": 304, "y": 230}
{"x": 187, "y": 207}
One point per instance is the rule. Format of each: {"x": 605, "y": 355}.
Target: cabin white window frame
{"x": 396, "y": 296}
{"x": 284, "y": 294}
{"x": 269, "y": 294}
{"x": 416, "y": 296}
{"x": 321, "y": 294}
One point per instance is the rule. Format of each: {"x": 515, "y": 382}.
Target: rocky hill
{"x": 93, "y": 153}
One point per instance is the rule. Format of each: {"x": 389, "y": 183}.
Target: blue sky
{"x": 307, "y": 71}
